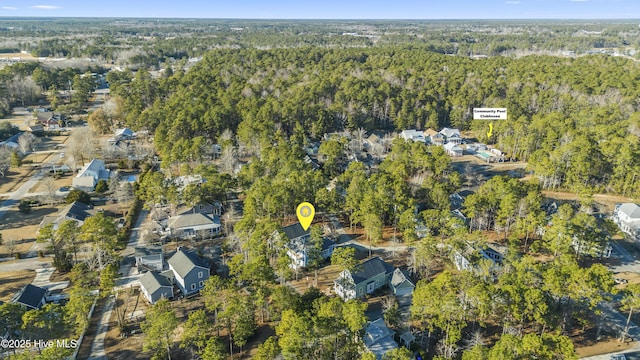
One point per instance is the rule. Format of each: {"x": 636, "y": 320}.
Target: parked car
{"x": 618, "y": 357}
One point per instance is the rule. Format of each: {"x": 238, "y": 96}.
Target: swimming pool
{"x": 483, "y": 155}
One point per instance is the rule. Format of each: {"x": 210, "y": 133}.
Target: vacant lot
{"x": 11, "y": 282}
{"x": 22, "y": 228}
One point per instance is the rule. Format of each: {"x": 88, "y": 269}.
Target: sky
{"x": 327, "y": 9}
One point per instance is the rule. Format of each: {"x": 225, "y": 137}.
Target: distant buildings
{"x": 76, "y": 211}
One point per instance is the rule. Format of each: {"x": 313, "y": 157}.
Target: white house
{"x": 452, "y": 149}
{"x": 414, "y": 135}
{"x": 90, "y": 174}
{"x": 627, "y": 217}
{"x": 451, "y": 135}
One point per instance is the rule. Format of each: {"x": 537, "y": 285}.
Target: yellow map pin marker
{"x": 305, "y": 212}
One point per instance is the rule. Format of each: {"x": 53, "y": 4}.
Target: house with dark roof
{"x": 12, "y": 141}
{"x": 298, "y": 243}
{"x": 76, "y": 211}
{"x": 378, "y": 338}
{"x": 194, "y": 226}
{"x": 31, "y": 297}
{"x": 371, "y": 275}
{"x": 627, "y": 217}
{"x": 401, "y": 284}
{"x": 90, "y": 174}
{"x": 190, "y": 271}
{"x": 155, "y": 286}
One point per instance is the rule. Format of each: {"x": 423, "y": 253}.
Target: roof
{"x": 630, "y": 209}
{"x": 124, "y": 132}
{"x": 452, "y": 147}
{"x": 184, "y": 261}
{"x": 13, "y": 139}
{"x": 448, "y": 132}
{"x": 430, "y": 132}
{"x": 152, "y": 281}
{"x": 295, "y": 231}
{"x": 31, "y": 296}
{"x": 147, "y": 250}
{"x": 190, "y": 220}
{"x": 95, "y": 165}
{"x": 399, "y": 277}
{"x": 76, "y": 210}
{"x": 378, "y": 338}
{"x": 371, "y": 268}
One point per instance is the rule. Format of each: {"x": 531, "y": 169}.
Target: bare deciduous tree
{"x": 228, "y": 159}
{"x": 25, "y": 142}
{"x": 49, "y": 186}
{"x": 5, "y": 160}
{"x": 81, "y": 145}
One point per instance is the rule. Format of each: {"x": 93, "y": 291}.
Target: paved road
{"x": 25, "y": 264}
{"x": 97, "y": 347}
{"x": 627, "y": 261}
{"x": 128, "y": 279}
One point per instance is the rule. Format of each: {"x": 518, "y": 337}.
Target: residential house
{"x": 150, "y": 257}
{"x": 430, "y": 132}
{"x": 298, "y": 246}
{"x": 452, "y": 149}
{"x": 206, "y": 208}
{"x": 414, "y": 135}
{"x": 76, "y": 211}
{"x": 437, "y": 139}
{"x": 470, "y": 258}
{"x": 627, "y": 217}
{"x": 372, "y": 141}
{"x": 36, "y": 129}
{"x": 190, "y": 271}
{"x": 12, "y": 141}
{"x": 401, "y": 284}
{"x": 124, "y": 134}
{"x": 154, "y": 287}
{"x": 451, "y": 135}
{"x": 378, "y": 338}
{"x": 31, "y": 297}
{"x": 90, "y": 174}
{"x": 370, "y": 275}
{"x": 194, "y": 226}
{"x": 50, "y": 120}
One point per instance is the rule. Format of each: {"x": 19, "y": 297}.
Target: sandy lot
{"x": 22, "y": 228}
{"x": 11, "y": 282}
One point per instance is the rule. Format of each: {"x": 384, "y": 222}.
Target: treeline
{"x": 575, "y": 120}
{"x": 175, "y": 38}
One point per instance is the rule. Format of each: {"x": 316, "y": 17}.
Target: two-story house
{"x": 369, "y": 276}
{"x": 298, "y": 247}
{"x": 627, "y": 217}
{"x": 190, "y": 271}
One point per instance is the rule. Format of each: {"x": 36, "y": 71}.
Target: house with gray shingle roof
{"x": 371, "y": 275}
{"x": 76, "y": 211}
{"x": 151, "y": 257}
{"x": 190, "y": 271}
{"x": 31, "y": 297}
{"x": 194, "y": 225}
{"x": 627, "y": 217}
{"x": 154, "y": 286}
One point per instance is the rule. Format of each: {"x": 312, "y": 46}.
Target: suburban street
{"x": 126, "y": 280}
